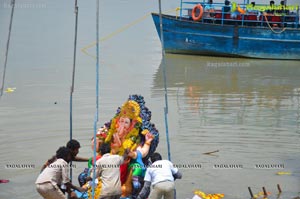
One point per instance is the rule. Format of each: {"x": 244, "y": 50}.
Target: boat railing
{"x": 243, "y": 14}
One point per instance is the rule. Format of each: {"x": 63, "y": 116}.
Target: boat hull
{"x": 183, "y": 36}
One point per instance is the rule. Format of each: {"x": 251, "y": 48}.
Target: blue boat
{"x": 232, "y": 30}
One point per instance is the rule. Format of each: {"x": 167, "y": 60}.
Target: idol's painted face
{"x": 124, "y": 123}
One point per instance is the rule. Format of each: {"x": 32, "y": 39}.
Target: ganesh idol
{"x": 130, "y": 129}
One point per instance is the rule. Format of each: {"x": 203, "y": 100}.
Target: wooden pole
{"x": 279, "y": 188}
{"x": 265, "y": 192}
{"x": 250, "y": 191}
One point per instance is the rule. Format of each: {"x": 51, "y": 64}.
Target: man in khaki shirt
{"x": 55, "y": 175}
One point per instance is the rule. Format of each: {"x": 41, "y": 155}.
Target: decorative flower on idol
{"x": 102, "y": 133}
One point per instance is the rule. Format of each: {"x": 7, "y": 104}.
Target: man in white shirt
{"x": 161, "y": 175}
{"x": 108, "y": 169}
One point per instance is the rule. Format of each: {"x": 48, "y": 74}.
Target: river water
{"x": 246, "y": 109}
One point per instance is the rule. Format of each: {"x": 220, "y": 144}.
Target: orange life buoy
{"x": 194, "y": 11}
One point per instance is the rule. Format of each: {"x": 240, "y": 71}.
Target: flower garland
{"x": 97, "y": 190}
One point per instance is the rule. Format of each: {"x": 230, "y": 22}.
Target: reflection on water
{"x": 226, "y": 85}
{"x": 246, "y": 108}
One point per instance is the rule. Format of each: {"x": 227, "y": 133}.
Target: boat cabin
{"x": 242, "y": 14}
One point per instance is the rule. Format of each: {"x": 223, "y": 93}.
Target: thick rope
{"x": 7, "y": 45}
{"x": 109, "y": 36}
{"x": 73, "y": 80}
{"x": 97, "y": 96}
{"x": 84, "y": 50}
{"x": 279, "y": 32}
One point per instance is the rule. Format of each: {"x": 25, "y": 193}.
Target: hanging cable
{"x": 166, "y": 109}
{"x": 73, "y": 79}
{"x": 97, "y": 96}
{"x": 165, "y": 80}
{"x": 7, "y": 45}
